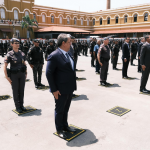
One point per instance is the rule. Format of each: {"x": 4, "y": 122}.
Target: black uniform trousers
{"x": 139, "y": 65}
{"x": 62, "y": 105}
{"x": 144, "y": 78}
{"x": 104, "y": 70}
{"x": 2, "y": 52}
{"x": 115, "y": 60}
{"x": 85, "y": 51}
{"x": 125, "y": 67}
{"x": 37, "y": 71}
{"x": 75, "y": 58}
{"x": 97, "y": 67}
{"x": 92, "y": 59}
{"x": 112, "y": 58}
{"x": 79, "y": 50}
{"x": 18, "y": 85}
{"x": 133, "y": 56}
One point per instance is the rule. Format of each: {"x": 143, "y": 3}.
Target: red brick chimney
{"x": 108, "y": 4}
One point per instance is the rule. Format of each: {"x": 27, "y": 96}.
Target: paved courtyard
{"x": 104, "y": 131}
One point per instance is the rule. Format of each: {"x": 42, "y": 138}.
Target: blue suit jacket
{"x": 59, "y": 73}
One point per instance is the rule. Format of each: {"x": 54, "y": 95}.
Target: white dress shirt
{"x": 64, "y": 52}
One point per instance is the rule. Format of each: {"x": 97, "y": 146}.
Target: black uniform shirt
{"x": 16, "y": 60}
{"x": 115, "y": 50}
{"x": 49, "y": 50}
{"x": 104, "y": 52}
{"x": 75, "y": 47}
{"x": 35, "y": 55}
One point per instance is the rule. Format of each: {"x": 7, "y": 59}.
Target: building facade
{"x": 133, "y": 21}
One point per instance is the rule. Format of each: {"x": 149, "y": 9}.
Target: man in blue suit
{"x": 61, "y": 76}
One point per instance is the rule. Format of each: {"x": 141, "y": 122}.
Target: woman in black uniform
{"x": 18, "y": 73}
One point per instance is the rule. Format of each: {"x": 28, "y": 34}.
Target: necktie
{"x": 69, "y": 59}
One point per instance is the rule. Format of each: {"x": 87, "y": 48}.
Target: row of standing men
{"x": 130, "y": 49}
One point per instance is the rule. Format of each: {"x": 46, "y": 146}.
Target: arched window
{"x": 16, "y": 14}
{"x": 81, "y": 21}
{"x": 146, "y": 17}
{"x": 34, "y": 16}
{"x": 135, "y": 18}
{"x": 75, "y": 20}
{"x": 68, "y": 20}
{"x": 93, "y": 22}
{"x": 26, "y": 13}
{"x": 100, "y": 21}
{"x": 43, "y": 18}
{"x": 108, "y": 20}
{"x": 60, "y": 19}
{"x": 52, "y": 19}
{"x": 87, "y": 22}
{"x": 125, "y": 19}
{"x": 2, "y": 13}
{"x": 117, "y": 19}
{"x": 17, "y": 33}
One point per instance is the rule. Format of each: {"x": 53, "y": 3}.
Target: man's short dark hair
{"x": 62, "y": 38}
{"x": 127, "y": 38}
{"x": 146, "y": 37}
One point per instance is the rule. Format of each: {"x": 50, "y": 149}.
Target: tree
{"x": 28, "y": 24}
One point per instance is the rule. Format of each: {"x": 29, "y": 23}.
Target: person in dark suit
{"x": 71, "y": 51}
{"x": 145, "y": 63}
{"x": 61, "y": 76}
{"x": 133, "y": 52}
{"x": 139, "y": 53}
{"x": 125, "y": 57}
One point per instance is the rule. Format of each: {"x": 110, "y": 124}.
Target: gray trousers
{"x": 144, "y": 78}
{"x": 37, "y": 71}
{"x": 104, "y": 71}
{"x": 18, "y": 85}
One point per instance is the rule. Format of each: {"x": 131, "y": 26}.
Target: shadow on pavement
{"x": 87, "y": 138}
{"x": 81, "y": 97}
{"x": 115, "y": 85}
{"x": 33, "y": 113}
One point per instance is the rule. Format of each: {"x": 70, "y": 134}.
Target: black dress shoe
{"x": 36, "y": 86}
{"x": 144, "y": 91}
{"x": 73, "y": 95}
{"x": 125, "y": 77}
{"x": 103, "y": 83}
{"x": 107, "y": 83}
{"x": 23, "y": 108}
{"x": 62, "y": 134}
{"x": 40, "y": 84}
{"x": 68, "y": 129}
{"x": 19, "y": 110}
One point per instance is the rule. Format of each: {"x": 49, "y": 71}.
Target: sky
{"x": 88, "y": 5}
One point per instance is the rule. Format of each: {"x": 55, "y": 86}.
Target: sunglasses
{"x": 16, "y": 43}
